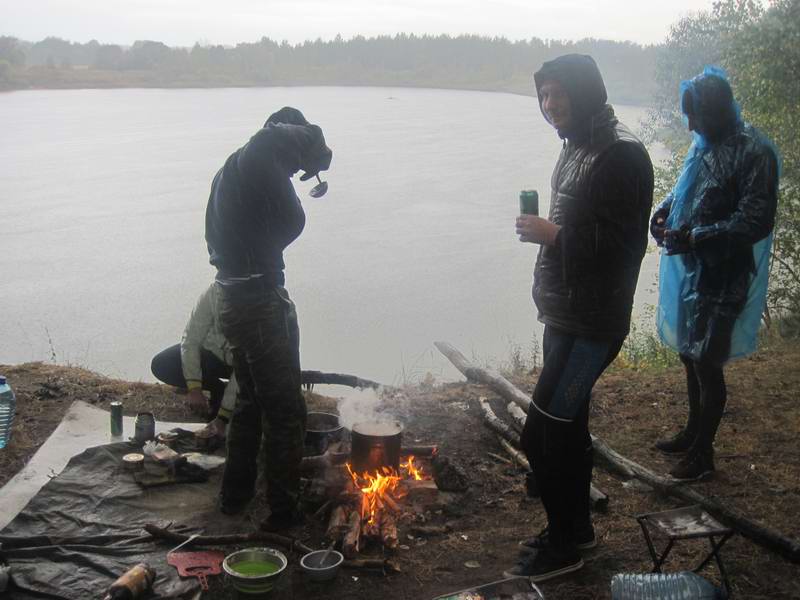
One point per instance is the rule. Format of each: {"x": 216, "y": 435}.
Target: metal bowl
{"x": 322, "y": 429}
{"x": 310, "y": 563}
{"x": 248, "y": 582}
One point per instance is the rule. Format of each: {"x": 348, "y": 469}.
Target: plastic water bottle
{"x": 663, "y": 586}
{"x": 8, "y": 405}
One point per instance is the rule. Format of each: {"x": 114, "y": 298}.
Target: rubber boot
{"x": 683, "y": 440}
{"x": 699, "y": 462}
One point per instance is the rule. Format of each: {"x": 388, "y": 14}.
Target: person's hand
{"x": 197, "y": 401}
{"x": 678, "y": 241}
{"x": 658, "y": 225}
{"x": 215, "y": 428}
{"x": 536, "y": 230}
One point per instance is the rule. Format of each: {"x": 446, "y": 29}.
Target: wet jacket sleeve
{"x": 754, "y": 217}
{"x": 621, "y": 197}
{"x": 200, "y": 323}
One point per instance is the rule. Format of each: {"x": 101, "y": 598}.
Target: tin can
{"x": 133, "y": 462}
{"x": 116, "y": 419}
{"x": 145, "y": 427}
{"x": 529, "y": 202}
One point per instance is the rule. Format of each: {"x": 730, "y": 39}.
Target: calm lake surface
{"x": 103, "y": 196}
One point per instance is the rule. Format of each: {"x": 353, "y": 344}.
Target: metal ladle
{"x": 320, "y": 189}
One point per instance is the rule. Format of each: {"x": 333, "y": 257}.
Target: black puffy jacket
{"x": 253, "y": 212}
{"x": 601, "y": 195}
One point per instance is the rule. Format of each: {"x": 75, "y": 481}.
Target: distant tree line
{"x": 467, "y": 61}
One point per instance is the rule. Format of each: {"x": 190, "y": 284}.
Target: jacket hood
{"x": 581, "y": 79}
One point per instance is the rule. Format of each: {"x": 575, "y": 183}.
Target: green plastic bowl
{"x": 254, "y": 570}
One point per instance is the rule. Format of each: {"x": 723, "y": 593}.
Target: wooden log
{"x": 337, "y": 524}
{"x": 429, "y": 530}
{"x": 389, "y": 531}
{"x": 518, "y": 416}
{"x": 174, "y": 537}
{"x": 494, "y": 380}
{"x": 352, "y": 536}
{"x": 760, "y": 534}
{"x": 493, "y": 422}
{"x": 420, "y": 451}
{"x": 310, "y": 378}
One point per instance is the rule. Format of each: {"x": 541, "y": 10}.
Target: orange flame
{"x": 413, "y": 471}
{"x": 374, "y": 489}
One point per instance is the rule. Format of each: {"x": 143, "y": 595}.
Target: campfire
{"x": 375, "y": 487}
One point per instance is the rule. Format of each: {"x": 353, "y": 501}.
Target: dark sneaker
{"x": 282, "y": 521}
{"x": 585, "y": 540}
{"x": 677, "y": 444}
{"x": 232, "y": 506}
{"x": 545, "y": 564}
{"x": 696, "y": 465}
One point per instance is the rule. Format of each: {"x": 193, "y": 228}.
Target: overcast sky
{"x": 184, "y": 22}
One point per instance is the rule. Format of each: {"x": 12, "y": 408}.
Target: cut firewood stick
{"x": 352, "y": 535}
{"x": 519, "y": 457}
{"x": 760, "y": 534}
{"x": 421, "y": 451}
{"x": 389, "y": 531}
{"x": 430, "y": 530}
{"x": 499, "y": 458}
{"x": 389, "y": 501}
{"x": 380, "y": 564}
{"x": 337, "y": 525}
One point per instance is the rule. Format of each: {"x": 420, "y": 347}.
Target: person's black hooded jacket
{"x": 601, "y": 195}
{"x": 253, "y": 212}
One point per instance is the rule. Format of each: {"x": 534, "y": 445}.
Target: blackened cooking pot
{"x": 375, "y": 445}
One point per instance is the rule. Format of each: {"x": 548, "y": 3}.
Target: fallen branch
{"x": 318, "y": 377}
{"x": 226, "y": 540}
{"x": 494, "y": 380}
{"x": 760, "y": 534}
{"x": 508, "y": 438}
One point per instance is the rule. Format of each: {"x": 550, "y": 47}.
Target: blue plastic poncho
{"x": 711, "y": 298}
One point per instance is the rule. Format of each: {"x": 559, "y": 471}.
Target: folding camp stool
{"x": 689, "y": 522}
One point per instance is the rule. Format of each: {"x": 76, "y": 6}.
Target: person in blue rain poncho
{"x": 715, "y": 228}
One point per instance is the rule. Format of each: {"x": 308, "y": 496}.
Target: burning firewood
{"x": 352, "y": 536}
{"x": 338, "y": 524}
{"x": 389, "y": 531}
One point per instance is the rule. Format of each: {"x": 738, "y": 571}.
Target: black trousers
{"x": 556, "y": 436}
{"x": 166, "y": 367}
{"x": 705, "y": 383}
{"x": 260, "y": 322}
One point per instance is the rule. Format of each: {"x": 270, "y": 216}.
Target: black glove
{"x": 658, "y": 225}
{"x": 678, "y": 241}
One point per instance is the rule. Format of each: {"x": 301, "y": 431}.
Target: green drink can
{"x": 529, "y": 202}
{"x": 116, "y": 419}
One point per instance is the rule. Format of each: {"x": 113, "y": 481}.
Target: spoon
{"x": 326, "y": 555}
{"x": 320, "y": 189}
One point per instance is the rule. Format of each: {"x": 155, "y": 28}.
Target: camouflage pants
{"x": 260, "y": 323}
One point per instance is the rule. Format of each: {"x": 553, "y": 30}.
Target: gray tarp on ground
{"x": 84, "y": 529}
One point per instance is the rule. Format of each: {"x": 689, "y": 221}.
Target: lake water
{"x": 103, "y": 196}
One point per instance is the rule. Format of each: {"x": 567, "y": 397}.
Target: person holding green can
{"x": 590, "y": 250}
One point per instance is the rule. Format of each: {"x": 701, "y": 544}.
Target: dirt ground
{"x": 758, "y": 474}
